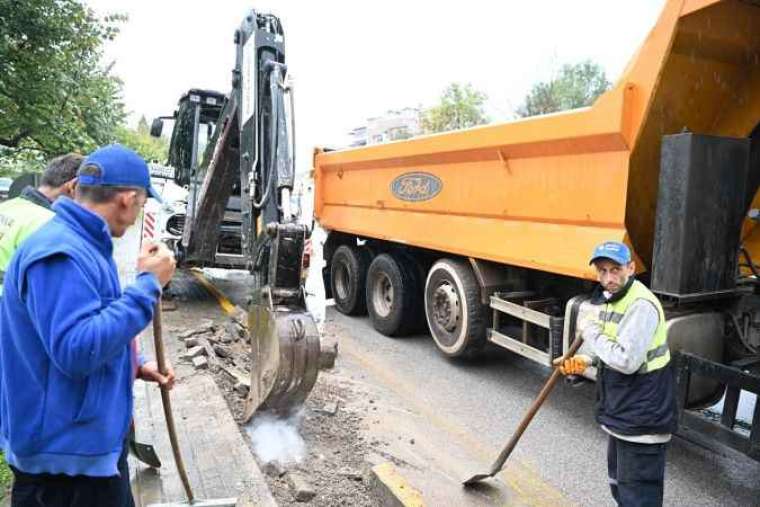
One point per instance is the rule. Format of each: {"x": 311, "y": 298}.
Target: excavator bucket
{"x": 284, "y": 337}
{"x": 284, "y": 356}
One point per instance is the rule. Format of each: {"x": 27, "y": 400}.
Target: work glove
{"x": 575, "y": 365}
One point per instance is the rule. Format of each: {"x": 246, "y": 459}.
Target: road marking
{"x": 227, "y": 306}
{"x": 393, "y": 488}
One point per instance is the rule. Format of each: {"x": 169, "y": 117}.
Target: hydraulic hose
{"x": 273, "y": 138}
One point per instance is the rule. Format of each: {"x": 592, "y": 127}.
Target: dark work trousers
{"x": 59, "y": 490}
{"x": 636, "y": 472}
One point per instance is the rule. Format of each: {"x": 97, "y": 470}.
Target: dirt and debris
{"x": 335, "y": 462}
{"x": 303, "y": 491}
{"x": 200, "y": 363}
{"x": 328, "y": 351}
{"x": 331, "y": 467}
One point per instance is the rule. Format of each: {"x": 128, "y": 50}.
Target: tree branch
{"x": 15, "y": 140}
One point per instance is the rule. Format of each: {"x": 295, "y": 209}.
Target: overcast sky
{"x": 353, "y": 60}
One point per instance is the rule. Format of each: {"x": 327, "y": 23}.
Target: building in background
{"x": 392, "y": 126}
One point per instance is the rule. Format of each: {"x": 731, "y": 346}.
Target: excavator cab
{"x": 194, "y": 124}
{"x": 195, "y": 121}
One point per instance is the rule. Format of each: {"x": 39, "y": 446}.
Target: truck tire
{"x": 393, "y": 295}
{"x": 454, "y": 313}
{"x": 348, "y": 276}
{"x": 415, "y": 316}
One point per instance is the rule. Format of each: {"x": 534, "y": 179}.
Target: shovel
{"x": 499, "y": 463}
{"x": 161, "y": 360}
{"x": 144, "y": 452}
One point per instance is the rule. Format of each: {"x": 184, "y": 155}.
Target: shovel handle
{"x": 528, "y": 417}
{"x": 158, "y": 341}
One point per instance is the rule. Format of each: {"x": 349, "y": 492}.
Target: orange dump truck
{"x": 484, "y": 235}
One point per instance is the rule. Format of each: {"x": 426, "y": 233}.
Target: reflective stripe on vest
{"x": 658, "y": 354}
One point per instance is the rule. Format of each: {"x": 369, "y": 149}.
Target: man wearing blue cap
{"x": 67, "y": 351}
{"x": 636, "y": 384}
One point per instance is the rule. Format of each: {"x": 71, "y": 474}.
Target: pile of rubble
{"x": 222, "y": 348}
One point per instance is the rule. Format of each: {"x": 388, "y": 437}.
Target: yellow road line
{"x": 227, "y": 306}
{"x": 391, "y": 482}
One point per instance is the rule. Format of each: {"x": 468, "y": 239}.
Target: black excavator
{"x": 234, "y": 153}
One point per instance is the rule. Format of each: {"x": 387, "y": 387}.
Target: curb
{"x": 391, "y": 489}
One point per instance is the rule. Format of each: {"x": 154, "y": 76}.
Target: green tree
{"x": 574, "y": 86}
{"x": 55, "y": 96}
{"x": 6, "y": 477}
{"x": 460, "y": 106}
{"x": 140, "y": 140}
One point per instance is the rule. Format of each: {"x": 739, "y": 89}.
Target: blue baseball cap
{"x": 612, "y": 250}
{"x": 119, "y": 167}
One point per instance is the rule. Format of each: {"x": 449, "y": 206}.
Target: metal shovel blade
{"x": 145, "y": 453}
{"x": 476, "y": 478}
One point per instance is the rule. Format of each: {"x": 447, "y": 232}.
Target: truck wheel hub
{"x": 446, "y": 308}
{"x": 382, "y": 295}
{"x": 342, "y": 281}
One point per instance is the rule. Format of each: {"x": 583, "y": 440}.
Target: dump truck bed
{"x": 541, "y": 192}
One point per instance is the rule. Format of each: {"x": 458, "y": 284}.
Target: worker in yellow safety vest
{"x": 636, "y": 384}
{"x": 21, "y": 216}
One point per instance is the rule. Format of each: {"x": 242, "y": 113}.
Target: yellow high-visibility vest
{"x": 658, "y": 353}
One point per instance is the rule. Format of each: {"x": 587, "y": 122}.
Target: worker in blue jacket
{"x": 68, "y": 354}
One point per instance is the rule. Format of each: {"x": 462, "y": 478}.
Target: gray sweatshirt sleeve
{"x": 635, "y": 333}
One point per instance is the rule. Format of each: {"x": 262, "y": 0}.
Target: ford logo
{"x": 416, "y": 186}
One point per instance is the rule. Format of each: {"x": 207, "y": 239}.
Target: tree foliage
{"x": 574, "y": 86}
{"x": 460, "y": 106}
{"x": 55, "y": 96}
{"x": 140, "y": 140}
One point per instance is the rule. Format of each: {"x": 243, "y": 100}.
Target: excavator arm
{"x": 250, "y": 157}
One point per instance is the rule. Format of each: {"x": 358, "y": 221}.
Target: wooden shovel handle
{"x": 528, "y": 417}
{"x": 158, "y": 341}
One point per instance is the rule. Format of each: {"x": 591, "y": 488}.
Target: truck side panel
{"x": 515, "y": 211}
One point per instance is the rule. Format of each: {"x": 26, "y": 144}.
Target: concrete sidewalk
{"x": 219, "y": 462}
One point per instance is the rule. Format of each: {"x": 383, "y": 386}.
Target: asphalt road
{"x": 485, "y": 399}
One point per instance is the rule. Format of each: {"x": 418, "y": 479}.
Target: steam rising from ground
{"x": 276, "y": 439}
